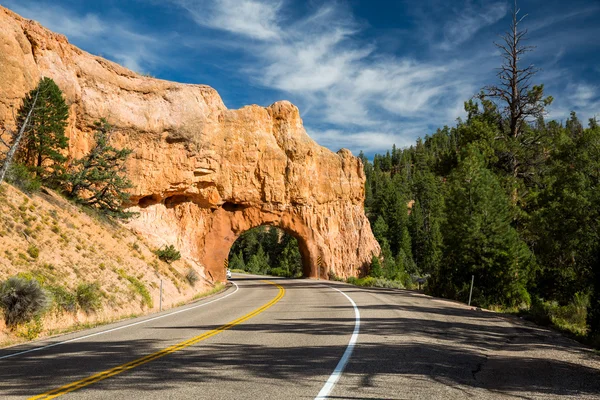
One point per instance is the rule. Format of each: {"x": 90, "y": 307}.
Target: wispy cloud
{"x": 251, "y": 18}
{"x": 344, "y": 82}
{"x": 469, "y": 20}
{"x": 357, "y": 86}
{"x": 111, "y": 38}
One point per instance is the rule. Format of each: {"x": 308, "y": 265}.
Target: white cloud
{"x": 469, "y": 21}
{"x": 367, "y": 141}
{"x": 343, "y": 81}
{"x": 582, "y": 94}
{"x": 251, "y": 18}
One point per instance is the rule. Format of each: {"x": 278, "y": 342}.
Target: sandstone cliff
{"x": 203, "y": 174}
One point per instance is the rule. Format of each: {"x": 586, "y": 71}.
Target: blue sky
{"x": 364, "y": 73}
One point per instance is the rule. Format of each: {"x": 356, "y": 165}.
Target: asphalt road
{"x": 283, "y": 340}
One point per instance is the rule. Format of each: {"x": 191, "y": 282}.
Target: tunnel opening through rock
{"x": 270, "y": 250}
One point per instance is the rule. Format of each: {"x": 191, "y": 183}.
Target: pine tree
{"x": 375, "y": 270}
{"x": 237, "y": 261}
{"x": 98, "y": 179}
{"x": 480, "y": 241}
{"x": 426, "y": 217}
{"x": 519, "y": 148}
{"x": 44, "y": 141}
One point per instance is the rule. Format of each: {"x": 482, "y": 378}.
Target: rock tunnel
{"x": 202, "y": 173}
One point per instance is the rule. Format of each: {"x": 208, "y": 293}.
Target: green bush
{"x": 31, "y": 329}
{"x": 141, "y": 289}
{"x": 64, "y": 300}
{"x": 138, "y": 287}
{"x": 168, "y": 254}
{"x": 89, "y": 297}
{"x": 387, "y": 283}
{"x": 367, "y": 281}
{"x": 279, "y": 272}
{"x": 33, "y": 251}
{"x": 570, "y": 317}
{"x": 21, "y": 300}
{"x": 334, "y": 277}
{"x": 20, "y": 176}
{"x": 192, "y": 276}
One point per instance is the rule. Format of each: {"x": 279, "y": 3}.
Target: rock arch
{"x": 255, "y": 166}
{"x": 202, "y": 173}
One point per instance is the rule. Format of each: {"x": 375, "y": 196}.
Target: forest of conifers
{"x": 505, "y": 196}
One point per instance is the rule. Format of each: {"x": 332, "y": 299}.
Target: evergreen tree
{"x": 375, "y": 271}
{"x": 290, "y": 259}
{"x": 480, "y": 241}
{"x": 567, "y": 219}
{"x": 426, "y": 217}
{"x": 98, "y": 179}
{"x": 44, "y": 140}
{"x": 237, "y": 261}
{"x": 380, "y": 229}
{"x": 259, "y": 262}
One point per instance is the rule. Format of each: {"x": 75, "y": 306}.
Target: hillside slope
{"x": 63, "y": 246}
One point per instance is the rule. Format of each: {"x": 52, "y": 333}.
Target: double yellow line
{"x": 151, "y": 357}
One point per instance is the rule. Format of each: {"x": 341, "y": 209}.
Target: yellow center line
{"x": 151, "y": 357}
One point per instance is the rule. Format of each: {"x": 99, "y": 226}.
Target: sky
{"x": 365, "y": 74}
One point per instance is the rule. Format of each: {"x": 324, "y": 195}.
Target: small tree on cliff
{"x": 17, "y": 136}
{"x": 43, "y": 118}
{"x": 98, "y": 179}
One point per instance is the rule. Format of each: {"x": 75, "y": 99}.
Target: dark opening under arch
{"x": 268, "y": 250}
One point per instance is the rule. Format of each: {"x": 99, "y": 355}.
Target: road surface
{"x": 284, "y": 339}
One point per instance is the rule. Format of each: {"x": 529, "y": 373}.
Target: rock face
{"x": 203, "y": 174}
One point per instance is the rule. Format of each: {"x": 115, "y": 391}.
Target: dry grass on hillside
{"x": 63, "y": 246}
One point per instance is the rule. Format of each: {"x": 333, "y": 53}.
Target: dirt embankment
{"x": 45, "y": 237}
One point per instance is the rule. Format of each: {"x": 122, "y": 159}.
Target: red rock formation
{"x": 203, "y": 174}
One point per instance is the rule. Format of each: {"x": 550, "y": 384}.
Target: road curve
{"x": 408, "y": 346}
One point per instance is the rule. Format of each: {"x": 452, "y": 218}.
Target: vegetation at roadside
{"x": 505, "y": 196}
{"x": 138, "y": 287}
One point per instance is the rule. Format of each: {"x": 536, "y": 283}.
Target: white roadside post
{"x": 160, "y": 297}
{"x": 471, "y": 292}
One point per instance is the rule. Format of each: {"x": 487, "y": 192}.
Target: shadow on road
{"x": 443, "y": 343}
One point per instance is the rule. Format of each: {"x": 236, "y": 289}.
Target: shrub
{"x": 334, "y": 277}
{"x": 279, "y": 272}
{"x": 168, "y": 254}
{"x": 20, "y": 176}
{"x": 192, "y": 276}
{"x": 33, "y": 251}
{"x": 63, "y": 299}
{"x": 31, "y": 329}
{"x": 387, "y": 283}
{"x": 367, "y": 281}
{"x": 141, "y": 289}
{"x": 138, "y": 287}
{"x": 89, "y": 297}
{"x": 21, "y": 299}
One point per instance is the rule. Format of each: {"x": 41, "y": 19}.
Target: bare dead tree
{"x": 522, "y": 99}
{"x": 16, "y": 139}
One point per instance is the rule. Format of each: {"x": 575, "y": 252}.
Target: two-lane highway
{"x": 288, "y": 339}
{"x": 260, "y": 341}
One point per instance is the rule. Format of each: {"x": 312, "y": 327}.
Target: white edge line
{"x": 339, "y": 369}
{"x": 119, "y": 327}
